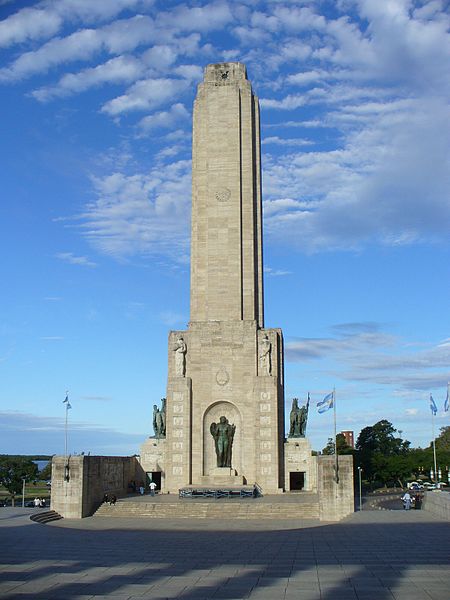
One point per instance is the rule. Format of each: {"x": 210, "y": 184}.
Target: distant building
{"x": 349, "y": 438}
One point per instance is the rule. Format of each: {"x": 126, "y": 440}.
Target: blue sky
{"x": 96, "y": 103}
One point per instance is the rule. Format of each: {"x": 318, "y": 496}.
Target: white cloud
{"x": 211, "y": 16}
{"x": 47, "y": 17}
{"x": 28, "y": 23}
{"x": 276, "y": 272}
{"x": 164, "y": 119}
{"x": 190, "y": 72}
{"x": 411, "y": 412}
{"x": 72, "y": 259}
{"x": 362, "y": 352}
{"x": 143, "y": 214}
{"x": 278, "y": 141}
{"x": 122, "y": 69}
{"x": 144, "y": 95}
{"x": 290, "y": 102}
{"x": 384, "y": 184}
{"x": 120, "y": 36}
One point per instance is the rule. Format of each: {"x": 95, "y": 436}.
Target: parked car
{"x": 415, "y": 485}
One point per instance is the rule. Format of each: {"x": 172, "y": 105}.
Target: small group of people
{"x": 133, "y": 487}
{"x": 111, "y": 500}
{"x": 39, "y": 502}
{"x": 411, "y": 501}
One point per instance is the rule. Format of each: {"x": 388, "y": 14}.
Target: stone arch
{"x": 213, "y": 414}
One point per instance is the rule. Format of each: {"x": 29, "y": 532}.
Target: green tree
{"x": 46, "y": 472}
{"x": 342, "y": 446}
{"x": 13, "y": 470}
{"x": 383, "y": 455}
{"x": 329, "y": 448}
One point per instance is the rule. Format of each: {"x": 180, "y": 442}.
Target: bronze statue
{"x": 298, "y": 419}
{"x": 163, "y": 416}
{"x": 159, "y": 419}
{"x": 223, "y": 434}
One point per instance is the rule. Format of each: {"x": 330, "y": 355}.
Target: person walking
{"x": 152, "y": 486}
{"x": 406, "y": 500}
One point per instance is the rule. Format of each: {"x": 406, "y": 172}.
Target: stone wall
{"x": 80, "y": 482}
{"x": 437, "y": 503}
{"x": 153, "y": 457}
{"x": 298, "y": 458}
{"x": 336, "y": 501}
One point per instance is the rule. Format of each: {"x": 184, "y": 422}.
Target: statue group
{"x": 223, "y": 434}
{"x": 298, "y": 419}
{"x": 159, "y": 419}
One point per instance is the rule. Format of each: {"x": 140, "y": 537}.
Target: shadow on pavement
{"x": 373, "y": 560}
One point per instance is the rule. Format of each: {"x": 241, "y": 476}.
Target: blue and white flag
{"x": 447, "y": 400}
{"x": 66, "y": 402}
{"x": 326, "y": 403}
{"x": 433, "y": 405}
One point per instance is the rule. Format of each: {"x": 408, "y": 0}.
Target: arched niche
{"x": 212, "y": 415}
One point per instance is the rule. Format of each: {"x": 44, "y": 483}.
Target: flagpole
{"x": 65, "y": 428}
{"x": 336, "y": 465}
{"x": 436, "y": 478}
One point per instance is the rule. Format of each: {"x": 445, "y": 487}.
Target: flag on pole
{"x": 66, "y": 402}
{"x": 326, "y": 403}
{"x": 447, "y": 400}
{"x": 433, "y": 406}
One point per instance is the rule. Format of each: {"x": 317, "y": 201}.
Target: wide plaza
{"x": 371, "y": 555}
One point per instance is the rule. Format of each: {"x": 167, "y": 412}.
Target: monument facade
{"x": 225, "y": 398}
{"x": 222, "y": 421}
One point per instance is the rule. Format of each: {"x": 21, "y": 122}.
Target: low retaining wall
{"x": 437, "y": 503}
{"x": 79, "y": 482}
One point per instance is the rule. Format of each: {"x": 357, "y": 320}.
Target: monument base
{"x": 300, "y": 466}
{"x": 222, "y": 476}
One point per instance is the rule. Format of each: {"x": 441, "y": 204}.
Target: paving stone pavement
{"x": 372, "y": 555}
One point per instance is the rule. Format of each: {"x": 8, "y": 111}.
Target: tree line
{"x": 388, "y": 459}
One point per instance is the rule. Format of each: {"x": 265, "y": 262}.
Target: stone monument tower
{"x": 222, "y": 422}
{"x": 225, "y": 396}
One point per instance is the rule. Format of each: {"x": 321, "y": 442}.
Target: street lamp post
{"x": 360, "y": 488}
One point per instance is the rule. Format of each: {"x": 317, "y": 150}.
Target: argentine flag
{"x": 447, "y": 400}
{"x": 433, "y": 405}
{"x": 67, "y": 403}
{"x": 326, "y": 403}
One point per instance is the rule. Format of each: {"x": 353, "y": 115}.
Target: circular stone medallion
{"x": 222, "y": 377}
{"x": 223, "y": 194}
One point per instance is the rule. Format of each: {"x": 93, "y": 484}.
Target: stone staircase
{"x": 46, "y": 517}
{"x": 305, "y": 506}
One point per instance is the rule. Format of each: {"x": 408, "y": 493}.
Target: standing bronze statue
{"x": 298, "y": 419}
{"x": 223, "y": 434}
{"x": 159, "y": 419}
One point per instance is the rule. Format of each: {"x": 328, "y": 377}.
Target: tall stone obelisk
{"x": 226, "y": 364}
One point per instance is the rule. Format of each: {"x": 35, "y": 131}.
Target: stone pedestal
{"x": 298, "y": 459}
{"x": 336, "y": 500}
{"x": 153, "y": 457}
{"x": 222, "y": 476}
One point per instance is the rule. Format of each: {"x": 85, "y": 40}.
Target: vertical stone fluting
{"x": 225, "y": 374}
{"x": 226, "y": 248}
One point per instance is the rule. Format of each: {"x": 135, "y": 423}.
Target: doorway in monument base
{"x": 154, "y": 476}
{"x": 296, "y": 481}
{"x": 212, "y": 415}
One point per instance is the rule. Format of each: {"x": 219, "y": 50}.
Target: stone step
{"x": 46, "y": 517}
{"x": 193, "y": 509}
